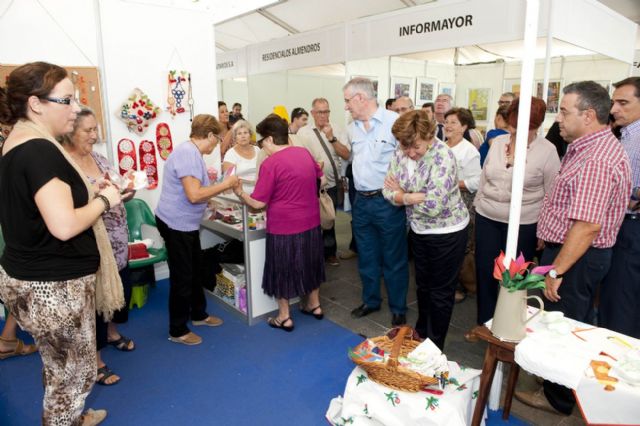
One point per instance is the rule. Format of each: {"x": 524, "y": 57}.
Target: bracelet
{"x": 105, "y": 200}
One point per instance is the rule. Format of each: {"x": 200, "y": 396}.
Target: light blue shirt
{"x": 372, "y": 150}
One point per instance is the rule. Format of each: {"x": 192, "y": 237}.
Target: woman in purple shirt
{"x": 288, "y": 187}
{"x": 185, "y": 191}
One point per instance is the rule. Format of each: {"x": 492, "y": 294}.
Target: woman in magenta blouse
{"x": 288, "y": 187}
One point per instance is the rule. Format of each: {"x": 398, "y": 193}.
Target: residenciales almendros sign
{"x": 294, "y": 51}
{"x": 436, "y": 25}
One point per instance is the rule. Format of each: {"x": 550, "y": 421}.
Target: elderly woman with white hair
{"x": 243, "y": 156}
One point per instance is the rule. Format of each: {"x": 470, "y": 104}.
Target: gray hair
{"x": 85, "y": 111}
{"x": 591, "y": 95}
{"x": 318, "y": 101}
{"x": 241, "y": 124}
{"x": 361, "y": 85}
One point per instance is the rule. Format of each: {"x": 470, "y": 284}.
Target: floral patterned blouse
{"x": 115, "y": 220}
{"x": 443, "y": 210}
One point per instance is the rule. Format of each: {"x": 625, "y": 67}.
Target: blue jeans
{"x": 381, "y": 236}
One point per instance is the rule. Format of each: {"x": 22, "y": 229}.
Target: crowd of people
{"x": 423, "y": 184}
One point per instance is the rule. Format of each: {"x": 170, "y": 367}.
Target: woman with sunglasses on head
{"x": 183, "y": 200}
{"x": 57, "y": 268}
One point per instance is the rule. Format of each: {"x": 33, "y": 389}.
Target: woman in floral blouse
{"x": 423, "y": 177}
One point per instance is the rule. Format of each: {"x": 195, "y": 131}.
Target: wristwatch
{"x": 555, "y": 275}
{"x": 333, "y": 140}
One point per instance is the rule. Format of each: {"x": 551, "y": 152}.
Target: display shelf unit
{"x": 259, "y": 305}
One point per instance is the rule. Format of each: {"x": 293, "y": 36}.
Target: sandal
{"x": 122, "y": 344}
{"x": 274, "y": 323}
{"x": 20, "y": 349}
{"x": 106, "y": 373}
{"x": 312, "y": 311}
{"x": 93, "y": 417}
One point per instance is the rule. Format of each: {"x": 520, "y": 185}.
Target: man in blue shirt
{"x": 620, "y": 290}
{"x": 378, "y": 226}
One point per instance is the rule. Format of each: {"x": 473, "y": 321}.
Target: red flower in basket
{"x": 519, "y": 276}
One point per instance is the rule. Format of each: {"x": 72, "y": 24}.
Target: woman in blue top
{"x": 185, "y": 191}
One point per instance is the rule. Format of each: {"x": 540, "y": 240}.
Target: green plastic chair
{"x": 139, "y": 213}
{"x": 143, "y": 274}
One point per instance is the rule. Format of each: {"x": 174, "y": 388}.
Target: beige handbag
{"x": 327, "y": 210}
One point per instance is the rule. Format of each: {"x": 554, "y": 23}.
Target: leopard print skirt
{"x": 60, "y": 315}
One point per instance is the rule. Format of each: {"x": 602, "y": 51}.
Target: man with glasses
{"x": 620, "y": 290}
{"x": 326, "y": 146}
{"x": 505, "y": 99}
{"x": 580, "y": 217}
{"x": 403, "y": 104}
{"x": 379, "y": 227}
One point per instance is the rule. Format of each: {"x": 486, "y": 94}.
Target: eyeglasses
{"x": 61, "y": 101}
{"x": 347, "y": 100}
{"x": 504, "y": 102}
{"x": 324, "y": 112}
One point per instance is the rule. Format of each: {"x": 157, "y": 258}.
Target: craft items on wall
{"x": 163, "y": 140}
{"x": 190, "y": 99}
{"x": 138, "y": 112}
{"x": 126, "y": 156}
{"x": 179, "y": 88}
{"x": 148, "y": 162}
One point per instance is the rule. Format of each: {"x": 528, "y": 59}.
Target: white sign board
{"x": 298, "y": 51}
{"x": 231, "y": 64}
{"x": 436, "y": 26}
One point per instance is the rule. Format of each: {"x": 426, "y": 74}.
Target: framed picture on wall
{"x": 553, "y": 94}
{"x": 402, "y": 86}
{"x": 479, "y": 103}
{"x": 426, "y": 90}
{"x": 374, "y": 80}
{"x": 448, "y": 89}
{"x": 512, "y": 85}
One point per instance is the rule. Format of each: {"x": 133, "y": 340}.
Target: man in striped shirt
{"x": 620, "y": 290}
{"x": 580, "y": 217}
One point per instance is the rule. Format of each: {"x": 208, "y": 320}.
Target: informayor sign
{"x": 437, "y": 25}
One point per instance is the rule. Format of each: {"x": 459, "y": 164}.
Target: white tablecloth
{"x": 566, "y": 359}
{"x": 368, "y": 403}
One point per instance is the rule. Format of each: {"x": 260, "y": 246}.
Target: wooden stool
{"x": 496, "y": 351}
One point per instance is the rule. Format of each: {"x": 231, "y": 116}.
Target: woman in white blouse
{"x": 456, "y": 122}
{"x": 494, "y": 198}
{"x": 243, "y": 156}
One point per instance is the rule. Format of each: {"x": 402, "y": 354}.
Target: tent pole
{"x": 547, "y": 59}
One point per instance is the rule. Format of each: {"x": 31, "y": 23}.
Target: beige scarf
{"x": 109, "y": 293}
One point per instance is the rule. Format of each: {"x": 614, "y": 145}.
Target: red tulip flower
{"x": 518, "y": 276}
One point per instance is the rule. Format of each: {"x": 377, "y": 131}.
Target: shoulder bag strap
{"x": 326, "y": 150}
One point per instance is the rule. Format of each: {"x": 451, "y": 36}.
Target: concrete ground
{"x": 342, "y": 293}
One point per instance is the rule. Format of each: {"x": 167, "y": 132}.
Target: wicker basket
{"x": 391, "y": 374}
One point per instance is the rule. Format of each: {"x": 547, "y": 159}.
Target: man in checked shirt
{"x": 580, "y": 217}
{"x": 620, "y": 290}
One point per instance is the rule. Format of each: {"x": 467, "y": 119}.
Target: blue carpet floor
{"x": 239, "y": 375}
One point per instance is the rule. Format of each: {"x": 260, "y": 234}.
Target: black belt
{"x": 370, "y": 194}
{"x": 552, "y": 245}
{"x": 632, "y": 216}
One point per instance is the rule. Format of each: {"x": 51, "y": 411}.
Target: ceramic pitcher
{"x": 510, "y": 318}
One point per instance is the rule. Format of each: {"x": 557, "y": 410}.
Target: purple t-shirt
{"x": 174, "y": 208}
{"x": 287, "y": 184}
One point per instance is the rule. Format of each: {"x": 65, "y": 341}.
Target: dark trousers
{"x": 329, "y": 235}
{"x": 121, "y": 316}
{"x": 186, "y": 295}
{"x": 381, "y": 235}
{"x": 352, "y": 199}
{"x": 577, "y": 292}
{"x": 491, "y": 236}
{"x": 620, "y": 290}
{"x": 438, "y": 259}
